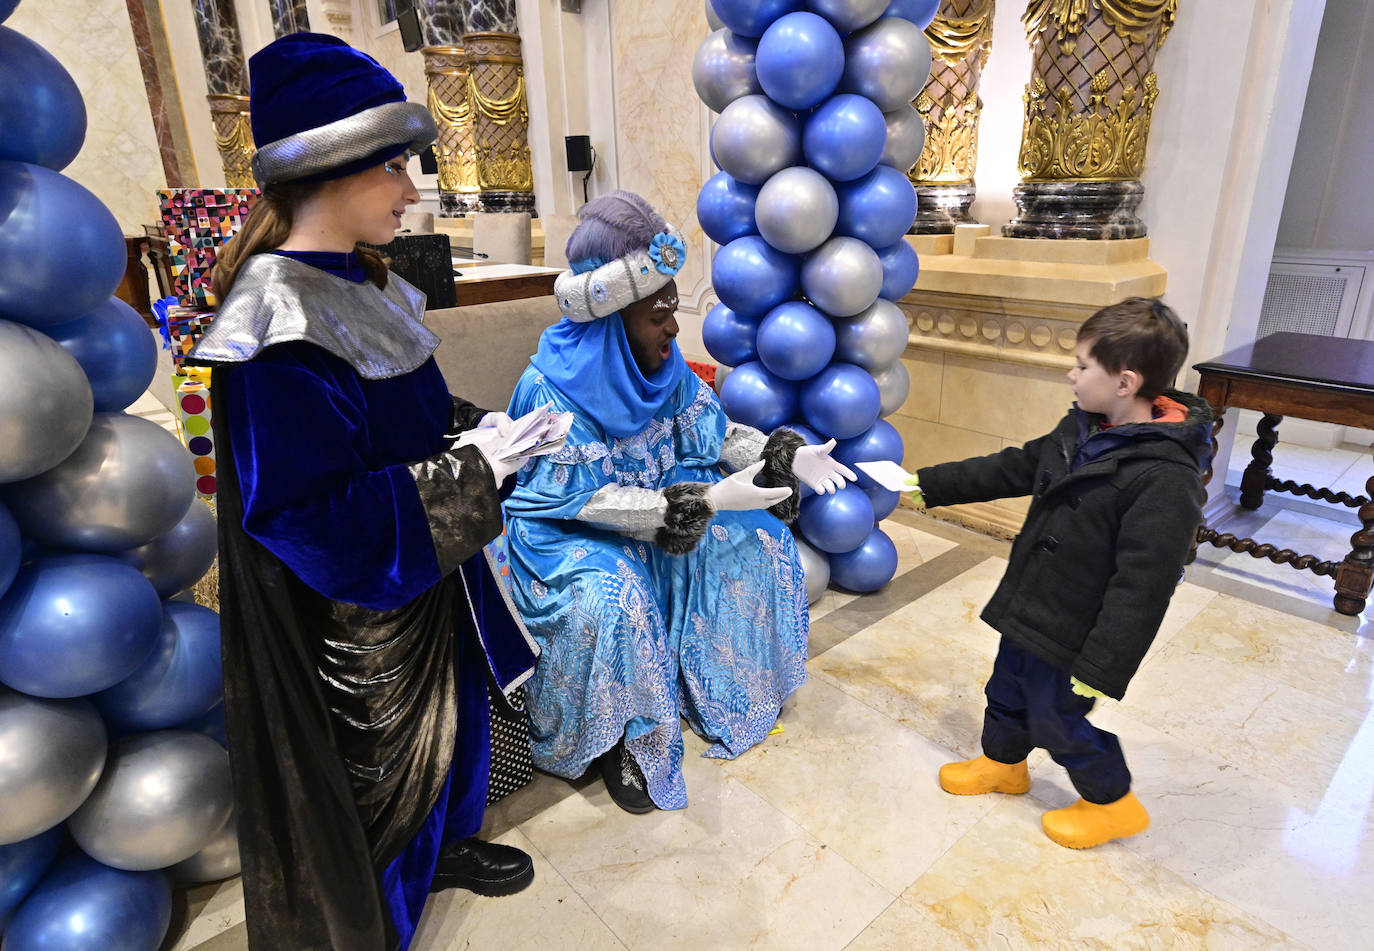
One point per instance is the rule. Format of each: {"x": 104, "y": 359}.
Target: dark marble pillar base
{"x": 459, "y": 205}
{"x": 940, "y": 207}
{"x": 508, "y": 201}
{"x": 1096, "y": 210}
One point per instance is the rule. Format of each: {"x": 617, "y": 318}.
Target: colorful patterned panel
{"x": 197, "y": 222}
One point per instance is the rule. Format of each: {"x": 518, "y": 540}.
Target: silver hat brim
{"x": 404, "y": 124}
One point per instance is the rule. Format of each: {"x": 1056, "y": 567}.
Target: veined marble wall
{"x": 119, "y": 161}
{"x": 662, "y": 133}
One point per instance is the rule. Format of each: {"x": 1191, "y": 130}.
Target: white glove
{"x": 818, "y": 471}
{"x": 502, "y": 469}
{"x": 738, "y": 492}
{"x": 498, "y": 420}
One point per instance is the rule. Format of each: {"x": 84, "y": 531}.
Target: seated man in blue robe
{"x": 656, "y": 588}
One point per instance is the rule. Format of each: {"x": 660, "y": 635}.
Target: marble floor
{"x": 1249, "y": 730}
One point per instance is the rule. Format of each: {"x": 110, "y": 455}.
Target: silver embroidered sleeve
{"x": 626, "y": 509}
{"x": 743, "y": 446}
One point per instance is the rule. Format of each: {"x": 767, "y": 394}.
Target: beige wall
{"x": 1329, "y": 204}
{"x": 119, "y": 161}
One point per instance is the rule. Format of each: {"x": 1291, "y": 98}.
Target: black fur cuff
{"x": 689, "y": 512}
{"x": 778, "y": 454}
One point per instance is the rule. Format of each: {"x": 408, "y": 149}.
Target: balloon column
{"x": 810, "y": 208}
{"x": 104, "y": 687}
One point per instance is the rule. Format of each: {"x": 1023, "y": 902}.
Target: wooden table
{"x": 1327, "y": 379}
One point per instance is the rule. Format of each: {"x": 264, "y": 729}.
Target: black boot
{"x": 624, "y": 780}
{"x": 487, "y": 868}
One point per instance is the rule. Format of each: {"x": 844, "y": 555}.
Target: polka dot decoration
{"x": 193, "y": 401}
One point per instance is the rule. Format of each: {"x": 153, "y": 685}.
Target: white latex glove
{"x": 818, "y": 471}
{"x": 498, "y": 420}
{"x": 500, "y": 468}
{"x": 738, "y": 492}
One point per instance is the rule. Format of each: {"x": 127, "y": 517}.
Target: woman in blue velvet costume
{"x": 361, "y": 620}
{"x": 655, "y": 588}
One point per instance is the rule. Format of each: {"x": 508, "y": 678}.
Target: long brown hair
{"x": 267, "y": 226}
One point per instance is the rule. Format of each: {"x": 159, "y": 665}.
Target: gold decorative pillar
{"x": 234, "y": 138}
{"x": 496, "y": 81}
{"x": 1088, "y": 109}
{"x": 960, "y": 41}
{"x": 450, "y": 102}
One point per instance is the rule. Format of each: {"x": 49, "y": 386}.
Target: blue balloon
{"x": 755, "y": 397}
{"x": 920, "y": 12}
{"x": 74, "y": 624}
{"x": 116, "y": 349}
{"x": 22, "y": 864}
{"x": 868, "y": 567}
{"x": 841, "y": 401}
{"x": 11, "y": 549}
{"x": 42, "y": 117}
{"x": 751, "y": 277}
{"x": 212, "y": 723}
{"x": 181, "y": 679}
{"x": 729, "y": 338}
{"x": 725, "y": 208}
{"x": 881, "y": 441}
{"x": 877, "y": 208}
{"x": 837, "y": 522}
{"x": 800, "y": 60}
{"x": 900, "y": 270}
{"x": 884, "y": 501}
{"x": 812, "y": 437}
{"x": 6, "y": 8}
{"x": 61, "y": 251}
{"x": 844, "y": 138}
{"x": 752, "y": 17}
{"x": 796, "y": 340}
{"x": 82, "y": 905}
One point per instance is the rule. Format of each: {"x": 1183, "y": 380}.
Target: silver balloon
{"x": 873, "y": 339}
{"x": 712, "y": 19}
{"x": 888, "y": 62}
{"x": 51, "y": 756}
{"x": 816, "y": 567}
{"x": 176, "y": 559}
{"x": 45, "y": 402}
{"x": 846, "y": 16}
{"x": 217, "y": 861}
{"x": 755, "y": 138}
{"x": 906, "y": 137}
{"x": 721, "y": 373}
{"x": 162, "y": 799}
{"x": 723, "y": 70}
{"x": 128, "y": 482}
{"x": 894, "y": 384}
{"x": 842, "y": 277}
{"x": 796, "y": 209}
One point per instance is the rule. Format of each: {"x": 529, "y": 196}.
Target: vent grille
{"x": 1302, "y": 303}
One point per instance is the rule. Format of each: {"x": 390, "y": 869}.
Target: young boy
{"x": 1116, "y": 498}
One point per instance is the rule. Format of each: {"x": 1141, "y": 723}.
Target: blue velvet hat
{"x": 321, "y": 110}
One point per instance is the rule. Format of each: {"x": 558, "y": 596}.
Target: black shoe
{"x": 487, "y": 868}
{"x": 625, "y": 781}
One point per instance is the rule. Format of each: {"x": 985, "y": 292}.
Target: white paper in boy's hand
{"x": 538, "y": 432}
{"x": 887, "y": 474}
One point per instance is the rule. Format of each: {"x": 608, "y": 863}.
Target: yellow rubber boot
{"x": 982, "y": 775}
{"x": 1086, "y": 824}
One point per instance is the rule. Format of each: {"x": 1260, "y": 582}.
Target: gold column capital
{"x": 233, "y": 138}
{"x": 496, "y": 90}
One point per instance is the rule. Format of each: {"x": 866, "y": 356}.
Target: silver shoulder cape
{"x": 275, "y": 299}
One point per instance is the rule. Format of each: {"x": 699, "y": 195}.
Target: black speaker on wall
{"x": 579, "y": 152}
{"x": 408, "y": 21}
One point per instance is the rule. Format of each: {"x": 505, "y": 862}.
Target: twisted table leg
{"x": 1356, "y": 573}
{"x": 1256, "y": 476}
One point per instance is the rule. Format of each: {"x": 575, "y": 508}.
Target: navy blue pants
{"x": 1030, "y": 704}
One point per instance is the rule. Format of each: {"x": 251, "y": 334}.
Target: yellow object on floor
{"x": 1086, "y": 824}
{"x": 982, "y": 775}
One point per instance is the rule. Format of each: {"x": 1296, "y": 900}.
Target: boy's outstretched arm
{"x": 1157, "y": 529}
{"x": 1000, "y": 475}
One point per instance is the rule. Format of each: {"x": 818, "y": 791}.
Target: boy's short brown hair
{"x": 1141, "y": 334}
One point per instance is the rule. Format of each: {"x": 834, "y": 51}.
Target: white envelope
{"x": 887, "y": 474}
